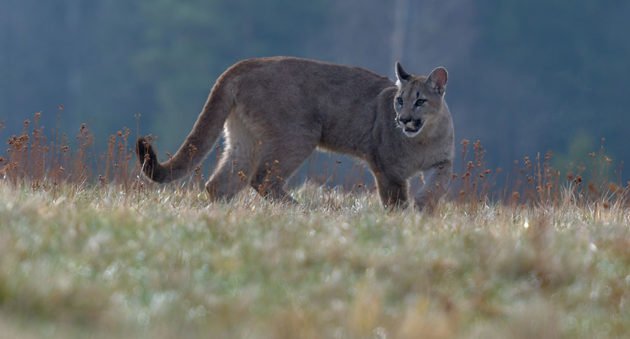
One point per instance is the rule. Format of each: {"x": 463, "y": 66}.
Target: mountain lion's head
{"x": 419, "y": 99}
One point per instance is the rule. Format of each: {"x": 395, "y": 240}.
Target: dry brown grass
{"x": 107, "y": 254}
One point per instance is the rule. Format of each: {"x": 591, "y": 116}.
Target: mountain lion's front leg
{"x": 393, "y": 192}
{"x": 436, "y": 181}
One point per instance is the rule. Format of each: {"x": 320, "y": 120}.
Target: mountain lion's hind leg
{"x": 236, "y": 167}
{"x": 277, "y": 166}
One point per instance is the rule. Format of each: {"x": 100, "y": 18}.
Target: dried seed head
{"x": 242, "y": 176}
{"x": 613, "y": 187}
{"x": 192, "y": 149}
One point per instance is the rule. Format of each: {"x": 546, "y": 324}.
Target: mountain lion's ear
{"x": 401, "y": 76}
{"x": 437, "y": 79}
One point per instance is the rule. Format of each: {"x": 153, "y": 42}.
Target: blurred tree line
{"x": 525, "y": 76}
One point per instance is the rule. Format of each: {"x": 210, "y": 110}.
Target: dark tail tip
{"x": 148, "y": 159}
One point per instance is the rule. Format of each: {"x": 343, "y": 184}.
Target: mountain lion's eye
{"x": 420, "y": 102}
{"x": 399, "y": 101}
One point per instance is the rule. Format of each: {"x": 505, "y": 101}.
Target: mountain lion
{"x": 276, "y": 111}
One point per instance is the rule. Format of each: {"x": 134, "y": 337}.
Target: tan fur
{"x": 276, "y": 111}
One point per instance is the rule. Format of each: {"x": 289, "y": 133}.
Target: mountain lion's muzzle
{"x": 411, "y": 127}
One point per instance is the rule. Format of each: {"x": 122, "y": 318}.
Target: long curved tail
{"x": 198, "y": 143}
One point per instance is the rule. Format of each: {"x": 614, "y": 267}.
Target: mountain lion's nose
{"x": 404, "y": 121}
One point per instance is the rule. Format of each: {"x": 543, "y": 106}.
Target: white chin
{"x": 409, "y": 134}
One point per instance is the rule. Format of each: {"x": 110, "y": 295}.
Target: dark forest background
{"x": 525, "y": 76}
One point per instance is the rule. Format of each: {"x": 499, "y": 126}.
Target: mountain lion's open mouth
{"x": 412, "y": 128}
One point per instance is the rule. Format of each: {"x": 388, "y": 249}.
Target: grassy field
{"x": 161, "y": 262}
{"x": 108, "y": 255}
